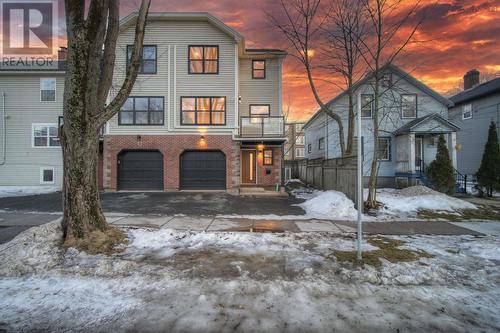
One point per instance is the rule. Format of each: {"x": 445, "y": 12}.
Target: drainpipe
{"x": 4, "y": 144}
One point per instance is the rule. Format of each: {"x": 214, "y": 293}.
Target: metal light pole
{"x": 360, "y": 180}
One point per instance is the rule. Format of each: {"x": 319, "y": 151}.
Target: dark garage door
{"x": 140, "y": 170}
{"x": 203, "y": 170}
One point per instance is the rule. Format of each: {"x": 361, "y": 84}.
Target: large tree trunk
{"x": 371, "y": 201}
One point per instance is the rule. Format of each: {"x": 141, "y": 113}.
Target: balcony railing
{"x": 262, "y": 127}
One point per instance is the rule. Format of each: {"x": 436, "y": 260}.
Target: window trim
{"x": 48, "y": 146}
{"x": 55, "y": 89}
{"x": 264, "y": 157}
{"x": 309, "y": 148}
{"x": 141, "y": 66}
{"x": 321, "y": 140}
{"x": 203, "y": 60}
{"x": 471, "y": 111}
{"x": 371, "y": 106}
{"x": 416, "y": 106}
{"x": 148, "y": 110}
{"x": 196, "y": 111}
{"x": 389, "y": 139}
{"x": 42, "y": 169}
{"x": 253, "y": 69}
{"x": 259, "y": 115}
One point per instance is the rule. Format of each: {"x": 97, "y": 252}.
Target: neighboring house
{"x": 474, "y": 109}
{"x": 295, "y": 139}
{"x": 204, "y": 113}
{"x": 411, "y": 118}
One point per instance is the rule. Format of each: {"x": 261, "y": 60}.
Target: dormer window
{"x": 387, "y": 80}
{"x": 203, "y": 59}
{"x": 258, "y": 69}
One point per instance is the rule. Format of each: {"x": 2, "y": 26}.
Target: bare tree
{"x": 89, "y": 74}
{"x": 301, "y": 25}
{"x": 385, "y": 21}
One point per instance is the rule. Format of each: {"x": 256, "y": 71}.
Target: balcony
{"x": 262, "y": 127}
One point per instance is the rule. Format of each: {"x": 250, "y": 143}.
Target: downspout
{"x": 4, "y": 144}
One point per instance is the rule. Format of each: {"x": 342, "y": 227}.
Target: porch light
{"x": 260, "y": 147}
{"x": 202, "y": 138}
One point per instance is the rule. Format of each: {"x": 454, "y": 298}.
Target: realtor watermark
{"x": 29, "y": 34}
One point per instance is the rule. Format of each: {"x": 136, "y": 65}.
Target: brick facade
{"x": 274, "y": 177}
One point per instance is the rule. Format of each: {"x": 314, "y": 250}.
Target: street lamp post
{"x": 360, "y": 180}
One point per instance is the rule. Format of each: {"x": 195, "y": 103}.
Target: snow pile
{"x": 329, "y": 204}
{"x": 415, "y": 198}
{"x": 18, "y": 191}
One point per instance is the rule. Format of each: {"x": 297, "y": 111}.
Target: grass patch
{"x": 488, "y": 213}
{"x": 100, "y": 242}
{"x": 388, "y": 249}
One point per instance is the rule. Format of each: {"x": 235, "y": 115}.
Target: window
{"x": 203, "y": 110}
{"x": 366, "y": 105}
{"x": 384, "y": 149}
{"x": 258, "y": 69}
{"x": 47, "y": 175}
{"x": 387, "y": 80}
{"x": 300, "y": 152}
{"x": 148, "y": 60}
{"x": 321, "y": 144}
{"x": 300, "y": 140}
{"x": 467, "y": 111}
{"x": 298, "y": 127}
{"x": 47, "y": 90}
{"x": 260, "y": 110}
{"x": 203, "y": 59}
{"x": 141, "y": 111}
{"x": 268, "y": 157}
{"x": 45, "y": 135}
{"x": 409, "y": 106}
{"x": 309, "y": 148}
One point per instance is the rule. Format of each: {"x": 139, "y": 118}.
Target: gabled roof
{"x": 413, "y": 125}
{"x": 394, "y": 69}
{"x": 484, "y": 89}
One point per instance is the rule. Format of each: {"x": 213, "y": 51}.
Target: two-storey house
{"x": 411, "y": 118}
{"x": 294, "y": 144}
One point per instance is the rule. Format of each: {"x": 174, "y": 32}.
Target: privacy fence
{"x": 337, "y": 174}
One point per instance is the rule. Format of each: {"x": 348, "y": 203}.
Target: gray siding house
{"x": 411, "y": 118}
{"x": 473, "y": 110}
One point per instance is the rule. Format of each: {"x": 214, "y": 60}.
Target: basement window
{"x": 47, "y": 175}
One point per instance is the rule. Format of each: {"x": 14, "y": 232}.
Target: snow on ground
{"x": 17, "y": 191}
{"x": 180, "y": 281}
{"x": 330, "y": 203}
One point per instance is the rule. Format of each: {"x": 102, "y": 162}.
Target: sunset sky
{"x": 458, "y": 35}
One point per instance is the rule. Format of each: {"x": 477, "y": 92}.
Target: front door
{"x": 419, "y": 154}
{"x": 248, "y": 169}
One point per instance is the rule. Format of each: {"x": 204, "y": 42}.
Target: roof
{"x": 273, "y": 51}
{"x": 413, "y": 125}
{"x": 394, "y": 69}
{"x": 484, "y": 89}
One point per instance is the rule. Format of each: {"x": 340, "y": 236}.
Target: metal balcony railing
{"x": 262, "y": 127}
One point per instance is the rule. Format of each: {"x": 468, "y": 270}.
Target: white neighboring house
{"x": 411, "y": 118}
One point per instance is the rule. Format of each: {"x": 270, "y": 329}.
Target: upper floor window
{"x": 467, "y": 111}
{"x": 309, "y": 148}
{"x": 366, "y": 105}
{"x": 47, "y": 90}
{"x": 203, "y": 59}
{"x": 384, "y": 149}
{"x": 321, "y": 144}
{"x": 387, "y": 80}
{"x": 148, "y": 59}
{"x": 300, "y": 152}
{"x": 260, "y": 110}
{"x": 300, "y": 140}
{"x": 409, "y": 105}
{"x": 258, "y": 69}
{"x": 203, "y": 110}
{"x": 298, "y": 127}
{"x": 45, "y": 135}
{"x": 141, "y": 111}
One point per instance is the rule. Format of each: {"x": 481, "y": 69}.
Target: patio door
{"x": 419, "y": 154}
{"x": 248, "y": 167}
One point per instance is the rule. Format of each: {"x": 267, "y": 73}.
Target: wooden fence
{"x": 337, "y": 174}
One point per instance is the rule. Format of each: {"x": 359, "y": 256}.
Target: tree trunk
{"x": 350, "y": 126}
{"x": 371, "y": 201}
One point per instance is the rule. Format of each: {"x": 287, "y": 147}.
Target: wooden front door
{"x": 248, "y": 169}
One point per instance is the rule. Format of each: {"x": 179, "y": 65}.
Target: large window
{"x": 409, "y": 106}
{"x": 45, "y": 135}
{"x": 258, "y": 69}
{"x": 142, "y": 111}
{"x": 203, "y": 59}
{"x": 467, "y": 111}
{"x": 366, "y": 105}
{"x": 148, "y": 60}
{"x": 203, "y": 110}
{"x": 384, "y": 149}
{"x": 260, "y": 110}
{"x": 47, "y": 89}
